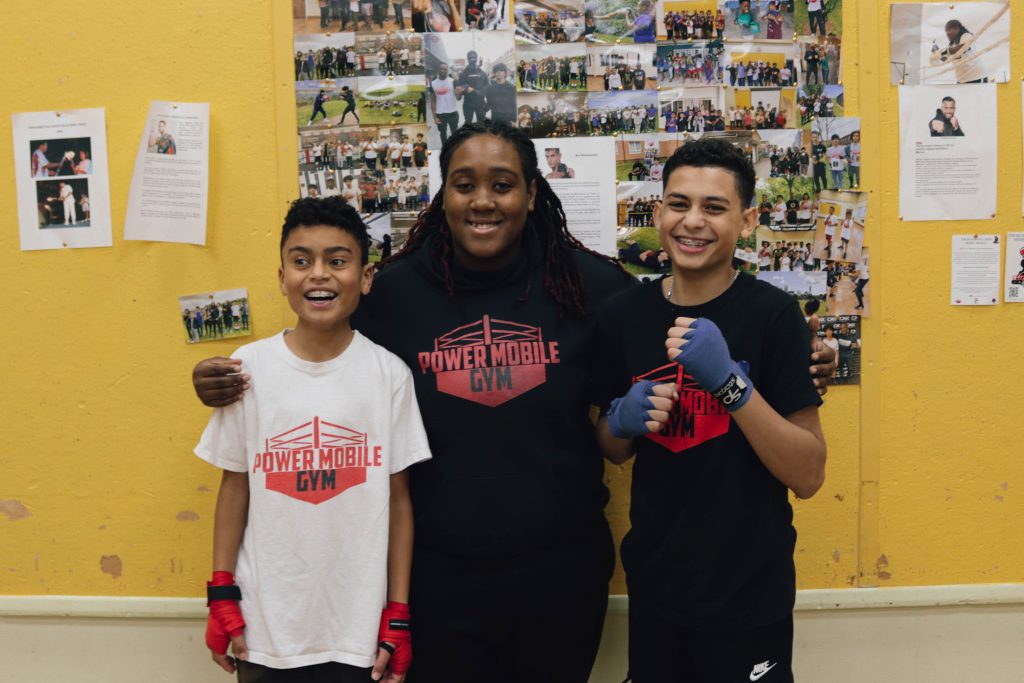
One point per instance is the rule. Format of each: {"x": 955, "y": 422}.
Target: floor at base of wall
{"x": 893, "y": 645}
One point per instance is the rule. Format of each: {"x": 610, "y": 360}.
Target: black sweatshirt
{"x": 504, "y": 390}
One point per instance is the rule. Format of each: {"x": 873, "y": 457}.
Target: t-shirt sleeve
{"x": 223, "y": 441}
{"x": 786, "y": 382}
{"x": 408, "y": 437}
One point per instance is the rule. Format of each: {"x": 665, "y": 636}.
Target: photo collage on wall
{"x": 380, "y": 88}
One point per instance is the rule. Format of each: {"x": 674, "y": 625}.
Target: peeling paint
{"x": 840, "y": 497}
{"x": 203, "y": 489}
{"x": 14, "y": 510}
{"x": 882, "y": 563}
{"x": 111, "y": 564}
{"x": 999, "y": 498}
{"x": 1005, "y": 485}
{"x": 187, "y": 516}
{"x": 835, "y": 555}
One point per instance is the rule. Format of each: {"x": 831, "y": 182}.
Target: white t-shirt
{"x": 614, "y": 81}
{"x": 444, "y": 91}
{"x": 830, "y": 225}
{"x": 320, "y": 442}
{"x": 847, "y": 229}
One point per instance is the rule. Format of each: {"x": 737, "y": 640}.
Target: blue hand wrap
{"x": 627, "y": 415}
{"x": 706, "y": 358}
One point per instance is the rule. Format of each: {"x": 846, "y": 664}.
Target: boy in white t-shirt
{"x": 313, "y": 513}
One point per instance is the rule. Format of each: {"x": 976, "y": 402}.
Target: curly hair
{"x": 562, "y": 277}
{"x": 331, "y": 211}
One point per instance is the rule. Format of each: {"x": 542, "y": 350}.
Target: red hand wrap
{"x": 395, "y": 629}
{"x": 225, "y": 620}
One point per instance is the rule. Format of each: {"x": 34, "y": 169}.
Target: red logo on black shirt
{"x": 316, "y": 461}
{"x": 490, "y": 361}
{"x": 697, "y": 417}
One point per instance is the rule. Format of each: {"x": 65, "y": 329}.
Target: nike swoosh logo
{"x": 756, "y": 676}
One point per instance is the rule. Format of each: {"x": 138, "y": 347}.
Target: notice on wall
{"x": 577, "y": 169}
{"x": 948, "y": 149}
{"x": 170, "y": 185}
{"x": 60, "y": 169}
{"x": 975, "y": 277}
{"x": 1014, "y": 268}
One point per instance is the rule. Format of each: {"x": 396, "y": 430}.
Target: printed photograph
{"x": 563, "y": 114}
{"x": 692, "y": 109}
{"x": 487, "y": 15}
{"x": 686, "y": 21}
{"x": 471, "y": 78}
{"x": 63, "y": 203}
{"x": 319, "y": 56}
{"x": 839, "y": 226}
{"x": 822, "y": 18}
{"x": 388, "y": 54}
{"x": 320, "y": 105}
{"x": 621, "y": 67}
{"x": 781, "y": 251}
{"x": 327, "y": 182}
{"x": 806, "y": 287}
{"x": 637, "y": 241}
{"x": 355, "y": 148}
{"x": 211, "y": 316}
{"x": 689, "y": 64}
{"x": 332, "y": 16}
{"x": 760, "y": 64}
{"x": 759, "y": 19}
{"x": 628, "y": 111}
{"x": 394, "y": 189}
{"x": 620, "y": 21}
{"x": 379, "y": 227}
{"x": 819, "y": 60}
{"x": 842, "y": 334}
{"x": 761, "y": 108}
{"x": 61, "y": 157}
{"x": 552, "y": 68}
{"x": 963, "y": 42}
{"x": 813, "y": 101}
{"x": 849, "y": 287}
{"x": 841, "y": 140}
{"x": 642, "y": 157}
{"x": 391, "y": 101}
{"x": 541, "y": 22}
{"x": 161, "y": 137}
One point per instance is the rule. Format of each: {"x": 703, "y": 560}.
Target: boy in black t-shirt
{"x": 722, "y": 425}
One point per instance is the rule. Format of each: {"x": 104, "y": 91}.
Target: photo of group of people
{"x": 374, "y": 104}
{"x": 64, "y": 202}
{"x": 213, "y": 316}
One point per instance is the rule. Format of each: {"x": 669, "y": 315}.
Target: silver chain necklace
{"x": 671, "y": 284}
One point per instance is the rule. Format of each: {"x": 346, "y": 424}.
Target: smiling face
{"x": 701, "y": 218}
{"x": 322, "y": 275}
{"x": 486, "y": 201}
{"x": 948, "y": 108}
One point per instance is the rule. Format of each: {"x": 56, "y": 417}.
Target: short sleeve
{"x": 408, "y": 437}
{"x": 223, "y": 441}
{"x": 785, "y": 381}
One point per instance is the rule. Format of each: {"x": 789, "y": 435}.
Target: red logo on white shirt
{"x": 316, "y": 461}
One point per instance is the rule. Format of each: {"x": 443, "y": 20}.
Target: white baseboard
{"x": 115, "y": 607}
{"x": 933, "y": 634}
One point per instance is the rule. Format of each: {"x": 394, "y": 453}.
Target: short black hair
{"x": 711, "y": 152}
{"x": 331, "y": 211}
{"x": 947, "y": 98}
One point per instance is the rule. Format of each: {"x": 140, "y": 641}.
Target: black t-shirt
{"x": 711, "y": 544}
{"x": 504, "y": 388}
{"x": 818, "y": 151}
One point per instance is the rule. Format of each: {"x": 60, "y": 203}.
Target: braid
{"x": 562, "y": 277}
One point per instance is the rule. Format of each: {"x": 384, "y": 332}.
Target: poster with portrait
{"x": 963, "y": 42}
{"x": 948, "y": 152}
{"x": 578, "y": 171}
{"x": 60, "y": 170}
{"x": 842, "y": 334}
{"x": 1014, "y": 277}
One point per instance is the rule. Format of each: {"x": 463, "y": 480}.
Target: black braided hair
{"x": 562, "y": 278}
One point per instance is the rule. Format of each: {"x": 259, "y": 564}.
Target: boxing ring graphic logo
{"x": 316, "y": 461}
{"x": 490, "y": 361}
{"x": 697, "y": 416}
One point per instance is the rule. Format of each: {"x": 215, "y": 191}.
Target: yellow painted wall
{"x": 99, "y": 416}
